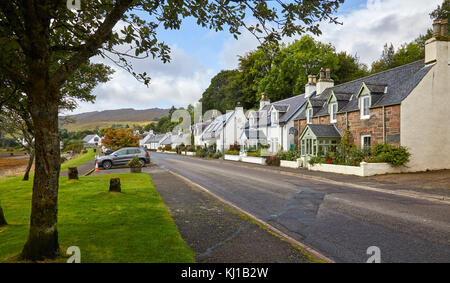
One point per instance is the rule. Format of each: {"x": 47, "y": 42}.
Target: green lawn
{"x": 79, "y": 160}
{"x": 132, "y": 226}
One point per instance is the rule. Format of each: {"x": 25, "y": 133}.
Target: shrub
{"x": 273, "y": 160}
{"x": 217, "y": 155}
{"x": 84, "y": 151}
{"x": 394, "y": 155}
{"x": 134, "y": 163}
{"x": 168, "y": 147}
{"x": 291, "y": 155}
{"x": 232, "y": 152}
{"x": 317, "y": 159}
{"x": 235, "y": 147}
{"x": 254, "y": 154}
{"x": 190, "y": 148}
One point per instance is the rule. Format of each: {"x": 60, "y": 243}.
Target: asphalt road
{"x": 338, "y": 221}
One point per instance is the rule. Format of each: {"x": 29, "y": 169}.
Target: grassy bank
{"x": 133, "y": 226}
{"x": 79, "y": 160}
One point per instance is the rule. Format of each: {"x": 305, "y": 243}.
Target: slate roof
{"x": 254, "y": 134}
{"x": 155, "y": 139}
{"x": 324, "y": 131}
{"x": 88, "y": 138}
{"x": 288, "y": 108}
{"x": 398, "y": 83}
{"x": 216, "y": 126}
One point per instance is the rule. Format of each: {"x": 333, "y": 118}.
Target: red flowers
{"x": 329, "y": 160}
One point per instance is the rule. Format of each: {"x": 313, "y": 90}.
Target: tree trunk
{"x": 30, "y": 163}
{"x": 114, "y": 185}
{"x": 72, "y": 173}
{"x": 43, "y": 236}
{"x": 2, "y": 218}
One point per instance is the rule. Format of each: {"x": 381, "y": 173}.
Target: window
{"x": 309, "y": 114}
{"x": 121, "y": 152}
{"x": 274, "y": 117}
{"x": 365, "y": 142}
{"x": 252, "y": 122}
{"x": 333, "y": 110}
{"x": 365, "y": 104}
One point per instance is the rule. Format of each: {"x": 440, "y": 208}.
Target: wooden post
{"x": 73, "y": 173}
{"x": 114, "y": 185}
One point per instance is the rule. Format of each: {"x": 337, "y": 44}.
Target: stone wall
{"x": 358, "y": 126}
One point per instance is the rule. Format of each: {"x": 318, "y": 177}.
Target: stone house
{"x": 408, "y": 106}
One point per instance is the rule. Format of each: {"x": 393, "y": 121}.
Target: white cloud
{"x": 364, "y": 32}
{"x": 180, "y": 82}
{"x": 366, "y": 29}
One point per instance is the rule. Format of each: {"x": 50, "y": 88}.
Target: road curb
{"x": 272, "y": 229}
{"x": 411, "y": 194}
{"x": 89, "y": 172}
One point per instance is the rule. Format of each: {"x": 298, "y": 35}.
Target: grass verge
{"x": 132, "y": 226}
{"x": 79, "y": 160}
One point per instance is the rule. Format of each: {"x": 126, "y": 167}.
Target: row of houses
{"x": 408, "y": 106}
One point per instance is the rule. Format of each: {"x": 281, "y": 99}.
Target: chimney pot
{"x": 444, "y": 27}
{"x": 436, "y": 27}
{"x": 327, "y": 73}
{"x": 322, "y": 73}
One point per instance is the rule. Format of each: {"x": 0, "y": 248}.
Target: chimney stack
{"x": 437, "y": 47}
{"x": 264, "y": 101}
{"x": 310, "y": 87}
{"x": 325, "y": 80}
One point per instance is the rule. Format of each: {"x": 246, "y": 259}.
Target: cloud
{"x": 180, "y": 82}
{"x": 366, "y": 29}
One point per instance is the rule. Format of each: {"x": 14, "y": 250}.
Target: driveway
{"x": 339, "y": 221}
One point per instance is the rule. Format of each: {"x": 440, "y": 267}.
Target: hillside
{"x": 106, "y": 118}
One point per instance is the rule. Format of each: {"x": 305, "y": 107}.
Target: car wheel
{"x": 107, "y": 164}
{"x": 142, "y": 162}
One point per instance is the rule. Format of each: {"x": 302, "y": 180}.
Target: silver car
{"x": 123, "y": 156}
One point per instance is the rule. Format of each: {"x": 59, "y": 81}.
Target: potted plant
{"x": 135, "y": 165}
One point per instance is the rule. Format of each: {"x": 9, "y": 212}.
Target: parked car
{"x": 108, "y": 151}
{"x": 123, "y": 156}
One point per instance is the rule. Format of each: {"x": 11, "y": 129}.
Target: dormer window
{"x": 333, "y": 111}
{"x": 365, "y": 105}
{"x": 252, "y": 121}
{"x": 309, "y": 114}
{"x": 274, "y": 117}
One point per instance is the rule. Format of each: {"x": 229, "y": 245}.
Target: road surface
{"x": 338, "y": 221}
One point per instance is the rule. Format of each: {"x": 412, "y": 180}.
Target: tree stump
{"x": 73, "y": 173}
{"x": 2, "y": 218}
{"x": 114, "y": 185}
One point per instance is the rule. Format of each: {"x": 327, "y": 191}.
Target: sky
{"x": 197, "y": 54}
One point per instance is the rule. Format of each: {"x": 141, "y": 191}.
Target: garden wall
{"x": 365, "y": 169}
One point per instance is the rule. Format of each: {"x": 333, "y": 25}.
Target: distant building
{"x": 92, "y": 141}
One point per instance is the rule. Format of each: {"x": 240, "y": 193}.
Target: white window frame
{"x": 333, "y": 112}
{"x": 362, "y": 140}
{"x": 365, "y": 115}
{"x": 309, "y": 115}
{"x": 274, "y": 117}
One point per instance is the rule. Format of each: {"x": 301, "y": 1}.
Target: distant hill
{"x": 106, "y": 118}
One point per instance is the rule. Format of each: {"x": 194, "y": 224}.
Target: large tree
{"x": 42, "y": 44}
